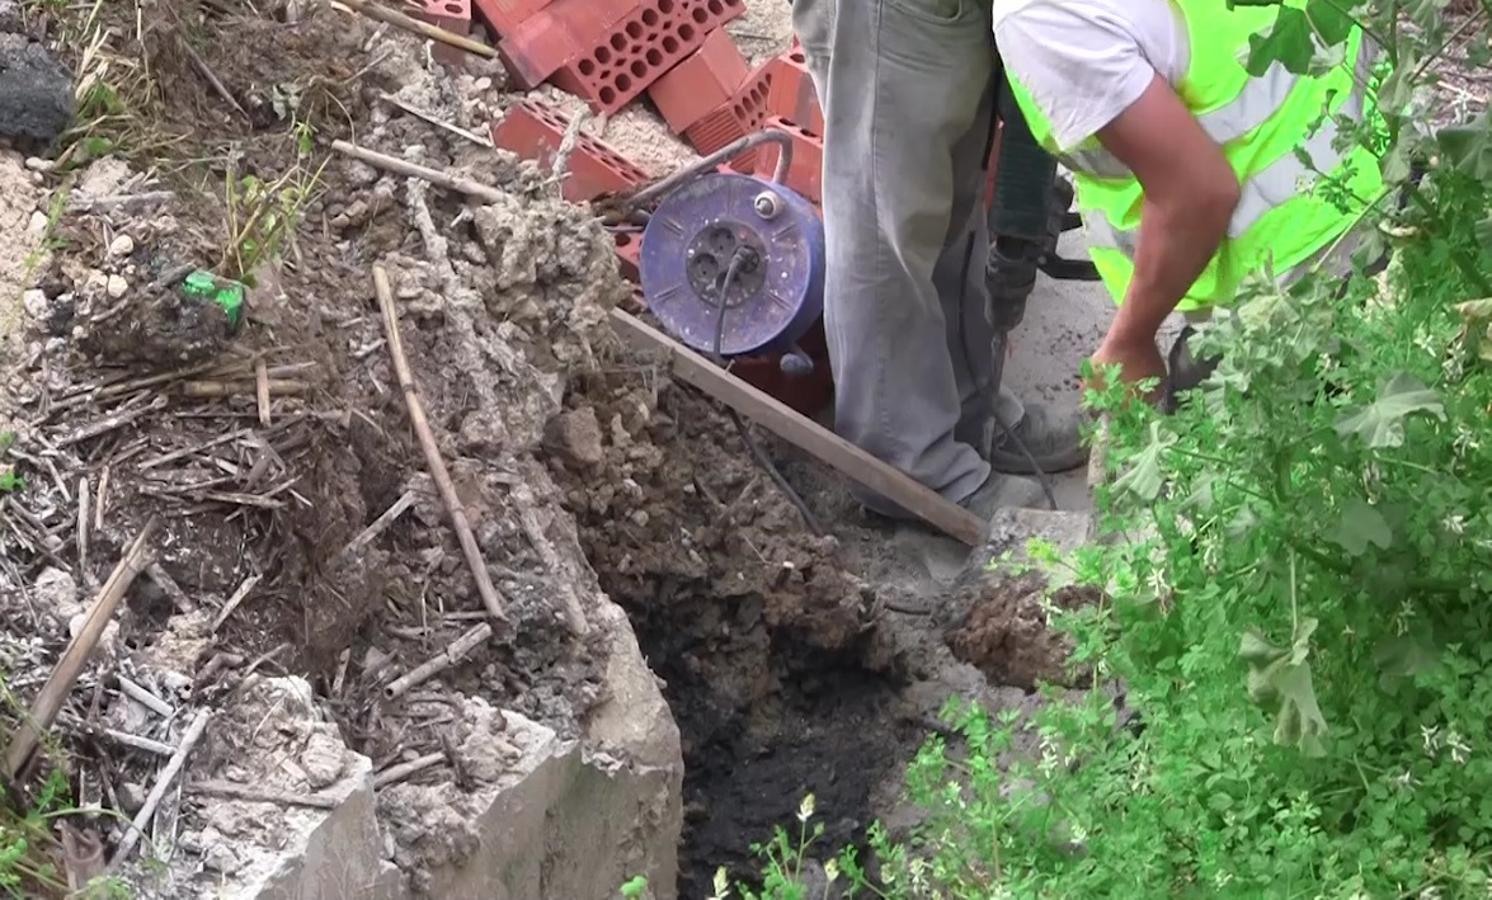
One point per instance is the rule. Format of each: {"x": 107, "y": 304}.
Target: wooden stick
{"x": 261, "y": 391}
{"x": 101, "y": 502}
{"x": 434, "y": 176}
{"x": 137, "y": 742}
{"x": 433, "y": 460}
{"x": 145, "y": 698}
{"x": 49, "y": 701}
{"x": 447, "y": 658}
{"x": 253, "y": 795}
{"x": 83, "y": 524}
{"x": 433, "y": 32}
{"x": 395, "y": 774}
{"x": 804, "y": 433}
{"x": 438, "y": 123}
{"x": 170, "y": 588}
{"x": 162, "y": 784}
{"x": 366, "y": 537}
{"x": 237, "y": 598}
{"x": 262, "y": 388}
{"x": 216, "y": 83}
{"x": 109, "y": 423}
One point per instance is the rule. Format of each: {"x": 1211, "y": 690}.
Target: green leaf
{"x": 1144, "y": 477}
{"x": 1279, "y": 679}
{"x": 1288, "y": 43}
{"x": 1360, "y": 526}
{"x": 1381, "y": 423}
{"x": 634, "y": 887}
{"x": 1405, "y": 656}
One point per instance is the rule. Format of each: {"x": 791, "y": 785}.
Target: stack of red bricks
{"x": 610, "y": 52}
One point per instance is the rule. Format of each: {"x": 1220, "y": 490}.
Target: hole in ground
{"x": 756, "y": 628}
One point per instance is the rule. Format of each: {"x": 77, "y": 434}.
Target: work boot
{"x": 1052, "y": 439}
{"x": 1000, "y": 491}
{"x": 1186, "y": 371}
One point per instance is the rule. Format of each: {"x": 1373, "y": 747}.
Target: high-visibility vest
{"x": 1259, "y": 123}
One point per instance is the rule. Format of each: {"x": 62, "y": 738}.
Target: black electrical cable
{"x": 998, "y": 365}
{"x": 736, "y": 261}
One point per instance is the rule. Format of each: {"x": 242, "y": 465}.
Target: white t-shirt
{"x": 1086, "y": 61}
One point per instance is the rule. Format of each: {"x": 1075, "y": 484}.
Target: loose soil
{"x": 794, "y": 663}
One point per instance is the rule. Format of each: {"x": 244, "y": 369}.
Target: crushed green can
{"x": 206, "y": 287}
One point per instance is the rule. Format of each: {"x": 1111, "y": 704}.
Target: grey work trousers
{"x": 906, "y": 88}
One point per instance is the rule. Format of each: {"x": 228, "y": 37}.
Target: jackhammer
{"x": 1028, "y": 213}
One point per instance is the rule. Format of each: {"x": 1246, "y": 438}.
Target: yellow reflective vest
{"x": 1260, "y": 123}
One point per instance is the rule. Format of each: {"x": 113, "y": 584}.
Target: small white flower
{"x": 831, "y": 870}
{"x": 1402, "y": 617}
{"x": 1404, "y": 780}
{"x": 1431, "y": 736}
{"x": 805, "y": 809}
{"x": 1432, "y": 892}
{"x": 1466, "y": 440}
{"x": 1460, "y": 748}
{"x": 722, "y": 884}
{"x": 1455, "y": 524}
{"x": 1222, "y": 880}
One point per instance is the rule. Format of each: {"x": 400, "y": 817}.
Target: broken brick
{"x": 640, "y": 47}
{"x": 743, "y": 114}
{"x": 534, "y": 131}
{"x": 706, "y": 79}
{"x": 805, "y": 173}
{"x": 629, "y": 254}
{"x": 506, "y": 17}
{"x": 793, "y": 96}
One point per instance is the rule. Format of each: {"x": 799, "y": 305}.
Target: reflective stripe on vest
{"x": 1259, "y": 123}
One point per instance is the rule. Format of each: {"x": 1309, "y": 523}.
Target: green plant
{"x": 262, "y": 217}
{"x": 1296, "y": 572}
{"x": 9, "y": 480}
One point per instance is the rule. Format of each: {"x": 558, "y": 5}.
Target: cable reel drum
{"x": 749, "y": 244}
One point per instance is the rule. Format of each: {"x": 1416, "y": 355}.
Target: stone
{"x": 123, "y": 245}
{"x": 57, "y": 593}
{"x": 117, "y": 287}
{"x": 36, "y": 90}
{"x": 38, "y": 223}
{"x": 576, "y": 436}
{"x": 324, "y": 760}
{"x": 11, "y": 18}
{"x": 35, "y": 302}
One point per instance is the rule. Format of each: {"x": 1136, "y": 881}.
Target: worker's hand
{"x": 1137, "y": 357}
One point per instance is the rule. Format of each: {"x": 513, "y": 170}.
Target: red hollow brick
{"x": 628, "y": 253}
{"x": 551, "y": 36}
{"x": 640, "y": 47}
{"x": 742, "y": 115}
{"x": 452, "y": 15}
{"x": 534, "y": 131}
{"x": 805, "y": 173}
{"x": 707, "y": 78}
{"x": 505, "y": 17}
{"x": 793, "y": 96}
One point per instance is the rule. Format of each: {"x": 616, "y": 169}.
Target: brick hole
{"x": 619, "y": 42}
{"x": 670, "y": 44}
{"x": 607, "y": 95}
{"x": 622, "y": 82}
{"x": 649, "y": 18}
{"x": 716, "y": 7}
{"x": 654, "y": 58}
{"x": 686, "y": 31}
{"x": 587, "y": 67}
{"x": 639, "y": 68}
{"x": 665, "y": 6}
{"x": 798, "y": 57}
{"x": 603, "y": 55}
{"x": 634, "y": 31}
{"x": 623, "y": 240}
{"x": 699, "y": 15}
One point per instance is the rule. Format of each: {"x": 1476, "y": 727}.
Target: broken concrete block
{"x": 560, "y": 823}
{"x": 36, "y": 90}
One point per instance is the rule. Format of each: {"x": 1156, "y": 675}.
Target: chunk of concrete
{"x": 36, "y": 90}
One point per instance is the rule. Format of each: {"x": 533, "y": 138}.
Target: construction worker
{"x": 1186, "y": 168}
{"x": 906, "y": 88}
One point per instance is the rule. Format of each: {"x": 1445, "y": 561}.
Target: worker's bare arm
{"x": 1190, "y": 195}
